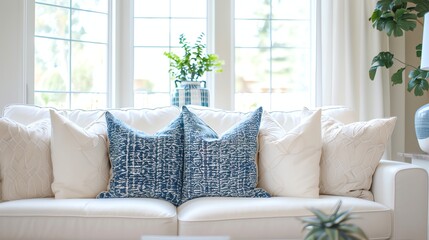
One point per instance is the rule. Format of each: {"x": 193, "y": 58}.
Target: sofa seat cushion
{"x": 276, "y": 217}
{"x": 50, "y": 218}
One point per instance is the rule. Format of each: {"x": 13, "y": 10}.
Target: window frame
{"x": 220, "y": 39}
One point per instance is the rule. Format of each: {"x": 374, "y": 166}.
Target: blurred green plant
{"x": 394, "y": 17}
{"x": 195, "y": 61}
{"x": 332, "y": 227}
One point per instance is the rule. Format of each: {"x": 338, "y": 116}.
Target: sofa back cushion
{"x": 221, "y": 120}
{"x": 145, "y": 119}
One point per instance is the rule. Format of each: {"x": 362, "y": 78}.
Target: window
{"x": 157, "y": 27}
{"x": 269, "y": 51}
{"x": 71, "y": 53}
{"x": 272, "y": 54}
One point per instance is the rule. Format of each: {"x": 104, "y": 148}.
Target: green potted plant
{"x": 332, "y": 227}
{"x": 188, "y": 69}
{"x": 394, "y": 17}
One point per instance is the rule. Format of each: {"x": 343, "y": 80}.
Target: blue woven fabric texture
{"x": 220, "y": 166}
{"x": 145, "y": 165}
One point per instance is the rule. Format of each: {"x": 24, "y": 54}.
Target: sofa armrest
{"x": 403, "y": 187}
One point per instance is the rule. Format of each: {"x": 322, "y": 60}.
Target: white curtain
{"x": 346, "y": 44}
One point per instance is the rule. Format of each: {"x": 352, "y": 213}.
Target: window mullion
{"x": 223, "y": 86}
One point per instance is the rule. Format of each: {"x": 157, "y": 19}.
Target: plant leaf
{"x": 332, "y": 233}
{"x": 422, "y": 7}
{"x": 419, "y": 50}
{"x": 418, "y": 81}
{"x": 383, "y": 59}
{"x": 397, "y": 77}
{"x": 320, "y": 215}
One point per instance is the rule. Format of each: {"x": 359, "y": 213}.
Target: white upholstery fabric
{"x": 80, "y": 159}
{"x": 274, "y": 218}
{"x": 289, "y": 160}
{"x": 403, "y": 188}
{"x": 399, "y": 211}
{"x": 25, "y": 159}
{"x": 146, "y": 119}
{"x": 289, "y": 119}
{"x": 86, "y": 219}
{"x": 221, "y": 120}
{"x": 350, "y": 155}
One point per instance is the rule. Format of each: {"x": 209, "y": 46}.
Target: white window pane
{"x": 291, "y": 70}
{"x": 92, "y": 5}
{"x": 89, "y": 26}
{"x": 88, "y": 101}
{"x": 151, "y": 100}
{"x": 64, "y": 3}
{"x": 252, "y": 9}
{"x": 291, "y": 33}
{"x": 150, "y": 8}
{"x": 189, "y": 8}
{"x": 58, "y": 100}
{"x": 252, "y": 33}
{"x": 151, "y": 70}
{"x": 151, "y": 32}
{"x": 89, "y": 67}
{"x": 250, "y": 101}
{"x": 192, "y": 28}
{"x": 252, "y": 70}
{"x": 52, "y": 21}
{"x": 51, "y": 65}
{"x": 291, "y": 9}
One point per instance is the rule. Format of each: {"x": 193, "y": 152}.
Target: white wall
{"x": 12, "y": 87}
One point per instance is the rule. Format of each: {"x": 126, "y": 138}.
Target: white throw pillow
{"x": 79, "y": 158}
{"x": 25, "y": 160}
{"x": 289, "y": 160}
{"x": 350, "y": 155}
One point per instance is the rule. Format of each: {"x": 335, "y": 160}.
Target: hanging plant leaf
{"x": 419, "y": 50}
{"x": 397, "y": 77}
{"x": 422, "y": 7}
{"x": 393, "y": 17}
{"x": 418, "y": 81}
{"x": 383, "y": 59}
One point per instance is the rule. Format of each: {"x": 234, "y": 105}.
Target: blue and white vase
{"x": 421, "y": 122}
{"x": 190, "y": 93}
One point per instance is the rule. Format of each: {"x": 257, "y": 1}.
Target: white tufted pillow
{"x": 25, "y": 159}
{"x": 289, "y": 160}
{"x": 350, "y": 155}
{"x": 79, "y": 158}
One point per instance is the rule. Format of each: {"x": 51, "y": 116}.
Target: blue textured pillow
{"x": 145, "y": 166}
{"x": 220, "y": 166}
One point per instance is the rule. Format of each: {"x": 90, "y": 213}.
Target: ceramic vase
{"x": 190, "y": 93}
{"x": 421, "y": 122}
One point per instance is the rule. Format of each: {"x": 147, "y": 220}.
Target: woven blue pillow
{"x": 145, "y": 166}
{"x": 220, "y": 166}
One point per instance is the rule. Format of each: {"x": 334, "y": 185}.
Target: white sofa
{"x": 399, "y": 209}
